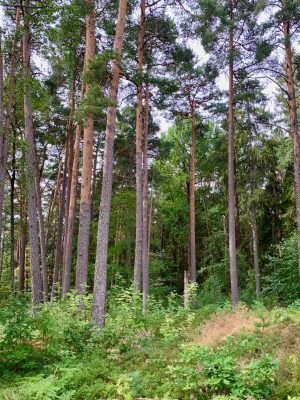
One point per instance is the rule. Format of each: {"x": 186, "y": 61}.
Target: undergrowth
{"x": 58, "y": 354}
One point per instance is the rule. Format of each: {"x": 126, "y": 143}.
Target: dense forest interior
{"x": 149, "y": 199}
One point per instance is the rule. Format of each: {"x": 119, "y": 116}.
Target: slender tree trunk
{"x": 255, "y": 253}
{"x": 71, "y": 217}
{"x": 87, "y": 167}
{"x": 293, "y": 118}
{"x": 70, "y": 149}
{"x": 36, "y": 282}
{"x": 145, "y": 249}
{"x": 231, "y": 194}
{"x": 42, "y": 231}
{"x": 12, "y": 215}
{"x": 10, "y": 100}
{"x": 52, "y": 205}
{"x": 139, "y": 155}
{"x": 59, "y": 234}
{"x": 99, "y": 295}
{"x": 22, "y": 247}
{"x": 192, "y": 222}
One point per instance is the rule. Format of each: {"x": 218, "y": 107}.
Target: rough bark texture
{"x": 192, "y": 208}
{"x": 4, "y": 131}
{"x": 139, "y": 155}
{"x": 42, "y": 232}
{"x": 36, "y": 281}
{"x": 294, "y": 128}
{"x": 99, "y": 297}
{"x": 145, "y": 249}
{"x": 231, "y": 194}
{"x": 87, "y": 167}
{"x": 71, "y": 216}
{"x": 22, "y": 247}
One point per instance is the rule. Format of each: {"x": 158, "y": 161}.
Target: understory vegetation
{"x": 167, "y": 353}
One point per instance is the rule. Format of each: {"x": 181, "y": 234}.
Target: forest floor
{"x": 167, "y": 354}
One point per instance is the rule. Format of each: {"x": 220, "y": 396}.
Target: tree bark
{"x": 42, "y": 231}
{"x": 71, "y": 216}
{"x": 22, "y": 247}
{"x": 99, "y": 295}
{"x": 145, "y": 249}
{"x": 52, "y": 205}
{"x": 59, "y": 234}
{"x": 255, "y": 253}
{"x": 192, "y": 222}
{"x": 87, "y": 166}
{"x": 139, "y": 155}
{"x": 36, "y": 282}
{"x": 12, "y": 215}
{"x": 294, "y": 128}
{"x": 231, "y": 191}
{"x": 10, "y": 100}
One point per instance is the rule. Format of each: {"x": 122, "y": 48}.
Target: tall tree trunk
{"x": 12, "y": 214}
{"x": 4, "y": 131}
{"x": 231, "y": 194}
{"x": 192, "y": 222}
{"x": 139, "y": 155}
{"x": 255, "y": 253}
{"x": 22, "y": 246}
{"x": 52, "y": 205}
{"x": 42, "y": 231}
{"x": 99, "y": 295}
{"x": 36, "y": 282}
{"x": 145, "y": 250}
{"x": 71, "y": 216}
{"x": 59, "y": 234}
{"x": 87, "y": 166}
{"x": 294, "y": 128}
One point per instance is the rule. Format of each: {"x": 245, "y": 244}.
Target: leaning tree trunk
{"x": 4, "y": 131}
{"x": 87, "y": 166}
{"x": 192, "y": 222}
{"x": 145, "y": 250}
{"x": 294, "y": 128}
{"x": 36, "y": 282}
{"x": 99, "y": 295}
{"x": 231, "y": 191}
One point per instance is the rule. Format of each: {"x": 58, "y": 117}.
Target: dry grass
{"x": 226, "y": 324}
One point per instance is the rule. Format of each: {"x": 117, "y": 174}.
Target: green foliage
{"x": 282, "y": 282}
